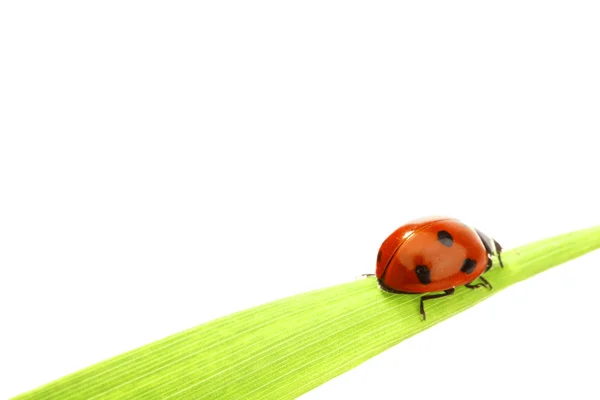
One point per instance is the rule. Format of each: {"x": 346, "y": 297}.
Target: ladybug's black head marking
{"x": 423, "y": 274}
{"x": 445, "y": 238}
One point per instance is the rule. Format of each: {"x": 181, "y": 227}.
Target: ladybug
{"x": 435, "y": 254}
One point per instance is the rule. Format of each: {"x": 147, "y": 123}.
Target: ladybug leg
{"x": 489, "y": 264}
{"x": 433, "y": 296}
{"x": 486, "y": 283}
{"x": 498, "y": 251}
{"x": 478, "y": 285}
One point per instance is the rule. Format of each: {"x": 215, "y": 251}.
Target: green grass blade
{"x": 285, "y": 348}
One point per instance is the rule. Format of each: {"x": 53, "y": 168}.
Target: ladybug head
{"x": 492, "y": 247}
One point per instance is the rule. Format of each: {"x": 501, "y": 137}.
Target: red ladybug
{"x": 435, "y": 254}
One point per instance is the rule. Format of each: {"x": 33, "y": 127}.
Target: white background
{"x": 166, "y": 163}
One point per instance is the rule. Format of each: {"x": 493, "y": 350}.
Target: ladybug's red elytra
{"x": 435, "y": 254}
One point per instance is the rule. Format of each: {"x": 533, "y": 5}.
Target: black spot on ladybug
{"x": 379, "y": 256}
{"x": 468, "y": 266}
{"x": 445, "y": 238}
{"x": 423, "y": 274}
